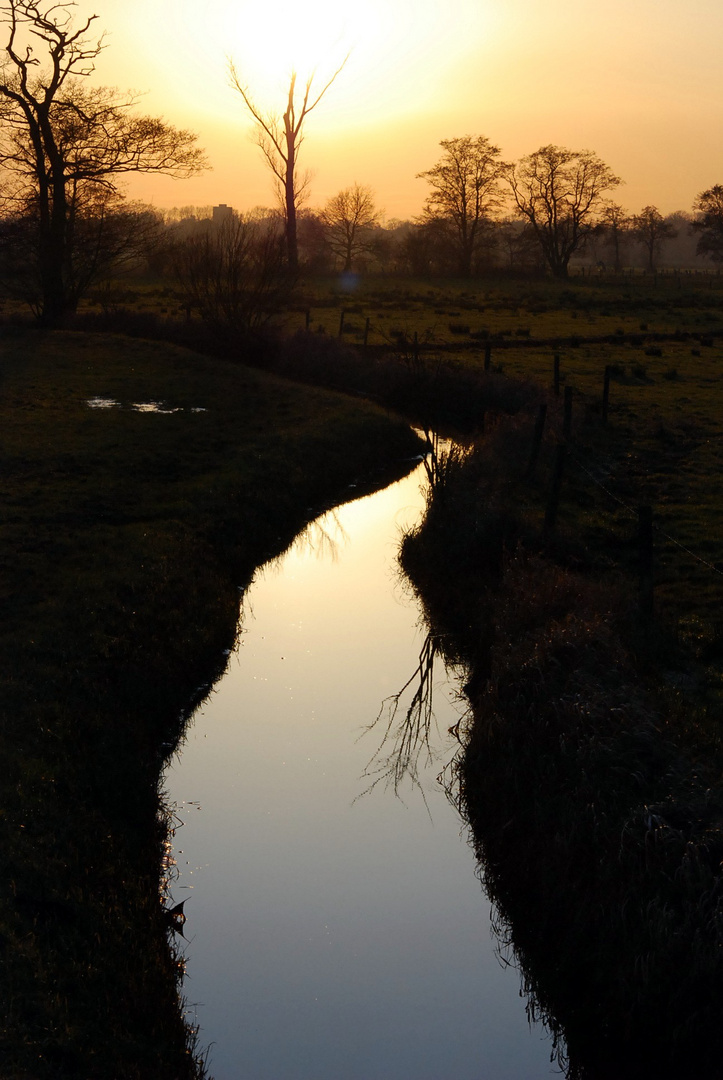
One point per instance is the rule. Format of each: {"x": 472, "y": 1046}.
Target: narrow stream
{"x": 332, "y": 934}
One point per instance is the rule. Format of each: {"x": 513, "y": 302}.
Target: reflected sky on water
{"x": 333, "y": 936}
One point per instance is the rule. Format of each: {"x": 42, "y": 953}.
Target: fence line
{"x": 412, "y": 344}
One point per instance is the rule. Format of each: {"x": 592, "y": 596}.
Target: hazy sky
{"x": 638, "y": 81}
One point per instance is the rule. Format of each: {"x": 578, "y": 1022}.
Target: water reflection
{"x": 323, "y": 538}
{"x": 406, "y": 749}
{"x": 332, "y": 936}
{"x": 159, "y": 407}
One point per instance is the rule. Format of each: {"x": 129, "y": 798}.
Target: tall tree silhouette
{"x": 651, "y": 230}
{"x": 616, "y": 224}
{"x": 465, "y": 186}
{"x": 560, "y": 193}
{"x": 349, "y": 218}
{"x": 280, "y": 139}
{"x": 65, "y": 144}
{"x": 709, "y": 223}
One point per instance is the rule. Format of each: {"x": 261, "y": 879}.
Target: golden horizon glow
{"x": 637, "y": 81}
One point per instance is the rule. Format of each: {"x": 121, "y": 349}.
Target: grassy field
{"x": 662, "y": 337}
{"x": 590, "y": 769}
{"x": 662, "y": 445}
{"x": 463, "y": 313}
{"x": 141, "y": 485}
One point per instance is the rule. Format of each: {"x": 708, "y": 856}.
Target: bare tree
{"x": 616, "y": 224}
{"x": 62, "y": 141}
{"x": 280, "y": 139}
{"x": 233, "y": 273}
{"x": 465, "y": 186}
{"x": 349, "y": 219}
{"x": 109, "y": 236}
{"x": 651, "y": 230}
{"x": 560, "y": 193}
{"x": 709, "y": 223}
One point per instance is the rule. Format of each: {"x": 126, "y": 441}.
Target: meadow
{"x": 144, "y": 482}
{"x": 590, "y": 761}
{"x": 661, "y": 336}
{"x": 662, "y": 339}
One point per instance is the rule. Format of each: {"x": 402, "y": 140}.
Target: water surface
{"x": 335, "y": 935}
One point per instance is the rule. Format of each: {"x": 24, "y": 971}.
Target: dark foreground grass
{"x": 125, "y": 536}
{"x": 600, "y": 834}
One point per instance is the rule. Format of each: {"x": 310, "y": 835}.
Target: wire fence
{"x": 410, "y": 346}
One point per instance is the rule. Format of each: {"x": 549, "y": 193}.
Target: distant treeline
{"x": 419, "y": 248}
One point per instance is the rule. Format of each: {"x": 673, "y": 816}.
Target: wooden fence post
{"x": 645, "y": 560}
{"x": 553, "y": 498}
{"x": 366, "y": 332}
{"x": 556, "y": 373}
{"x": 606, "y": 393}
{"x": 341, "y": 322}
{"x": 537, "y": 439}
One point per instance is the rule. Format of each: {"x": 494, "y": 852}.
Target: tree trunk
{"x": 559, "y": 265}
{"x": 292, "y": 243}
{"x": 53, "y": 244}
{"x": 58, "y": 301}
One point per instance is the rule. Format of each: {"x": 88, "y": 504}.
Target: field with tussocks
{"x": 660, "y": 335}
{"x": 662, "y": 340}
{"x": 143, "y": 483}
{"x": 591, "y": 761}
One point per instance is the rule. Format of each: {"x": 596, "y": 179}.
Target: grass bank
{"x": 590, "y": 771}
{"x": 141, "y": 485}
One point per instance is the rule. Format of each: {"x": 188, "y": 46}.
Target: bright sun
{"x": 279, "y": 37}
{"x": 400, "y": 53}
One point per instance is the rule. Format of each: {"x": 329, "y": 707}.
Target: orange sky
{"x": 638, "y": 81}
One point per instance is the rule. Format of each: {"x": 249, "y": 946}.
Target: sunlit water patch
{"x": 139, "y": 406}
{"x": 153, "y": 407}
{"x": 336, "y": 932}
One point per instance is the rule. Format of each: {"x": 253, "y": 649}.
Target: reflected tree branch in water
{"x": 406, "y": 741}
{"x": 323, "y": 535}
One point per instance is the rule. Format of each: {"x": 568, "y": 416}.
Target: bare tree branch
{"x": 465, "y": 186}
{"x": 280, "y": 139}
{"x": 64, "y": 141}
{"x": 348, "y": 219}
{"x": 560, "y": 193}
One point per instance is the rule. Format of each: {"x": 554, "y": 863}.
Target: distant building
{"x": 222, "y": 214}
